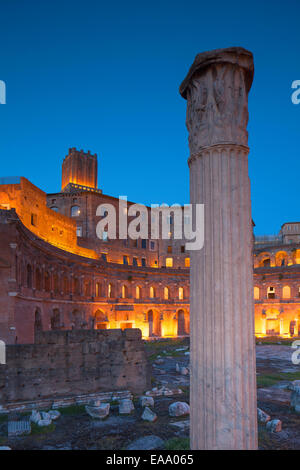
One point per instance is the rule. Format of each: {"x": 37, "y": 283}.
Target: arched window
{"x": 54, "y": 208}
{"x": 110, "y": 291}
{"x": 124, "y": 292}
{"x": 180, "y": 293}
{"x": 38, "y": 326}
{"x": 76, "y": 286}
{"x": 286, "y": 292}
{"x": 166, "y": 293}
{"x": 29, "y": 276}
{"x": 152, "y": 293}
{"x": 75, "y": 211}
{"x": 101, "y": 320}
{"x": 271, "y": 293}
{"x": 87, "y": 289}
{"x": 256, "y": 293}
{"x": 47, "y": 282}
{"x": 38, "y": 279}
{"x": 76, "y": 319}
{"x": 56, "y": 283}
{"x": 55, "y": 319}
{"x": 138, "y": 292}
{"x": 66, "y": 285}
{"x": 98, "y": 289}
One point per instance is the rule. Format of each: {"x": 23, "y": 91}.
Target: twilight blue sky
{"x": 104, "y": 76}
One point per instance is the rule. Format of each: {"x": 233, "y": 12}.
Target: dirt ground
{"x": 75, "y": 429}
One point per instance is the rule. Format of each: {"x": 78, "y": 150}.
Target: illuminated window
{"x": 187, "y": 262}
{"x": 166, "y": 293}
{"x": 124, "y": 292}
{"x": 286, "y": 292}
{"x": 79, "y": 231}
{"x": 256, "y": 293}
{"x": 138, "y": 292}
{"x": 169, "y": 262}
{"x": 180, "y": 293}
{"x": 152, "y": 293}
{"x": 271, "y": 293}
{"x": 75, "y": 211}
{"x": 98, "y": 289}
{"x": 110, "y": 291}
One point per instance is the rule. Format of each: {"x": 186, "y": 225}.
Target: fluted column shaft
{"x": 223, "y": 378}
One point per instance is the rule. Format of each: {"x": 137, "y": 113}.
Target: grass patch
{"x": 271, "y": 340}
{"x": 178, "y": 443}
{"x": 72, "y": 410}
{"x": 35, "y": 429}
{"x": 267, "y": 380}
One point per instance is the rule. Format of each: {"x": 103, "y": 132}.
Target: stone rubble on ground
{"x": 44, "y": 422}
{"x": 146, "y": 401}
{"x": 183, "y": 425}
{"x": 155, "y": 392}
{"x": 98, "y": 410}
{"x": 159, "y": 361}
{"x": 126, "y": 406}
{"x": 54, "y": 414}
{"x": 274, "y": 426}
{"x": 179, "y": 408}
{"x": 18, "y": 428}
{"x": 149, "y": 415}
{"x": 35, "y": 416}
{"x": 262, "y": 416}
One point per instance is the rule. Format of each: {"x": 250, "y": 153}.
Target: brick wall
{"x": 68, "y": 363}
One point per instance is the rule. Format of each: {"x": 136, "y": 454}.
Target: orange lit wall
{"x": 30, "y": 205}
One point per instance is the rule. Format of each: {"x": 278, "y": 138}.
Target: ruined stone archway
{"x": 101, "y": 320}
{"x": 153, "y": 318}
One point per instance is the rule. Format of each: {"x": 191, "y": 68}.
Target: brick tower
{"x": 79, "y": 168}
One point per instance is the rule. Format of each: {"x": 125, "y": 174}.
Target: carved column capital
{"x": 216, "y": 89}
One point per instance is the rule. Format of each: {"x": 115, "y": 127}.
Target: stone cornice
{"x": 206, "y": 151}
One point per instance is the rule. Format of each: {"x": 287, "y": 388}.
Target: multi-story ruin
{"x": 56, "y": 274}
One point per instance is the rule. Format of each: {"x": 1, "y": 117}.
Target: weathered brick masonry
{"x": 69, "y": 363}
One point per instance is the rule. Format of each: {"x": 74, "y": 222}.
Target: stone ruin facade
{"x": 73, "y": 364}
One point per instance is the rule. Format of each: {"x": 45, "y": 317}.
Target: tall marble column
{"x": 223, "y": 377}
